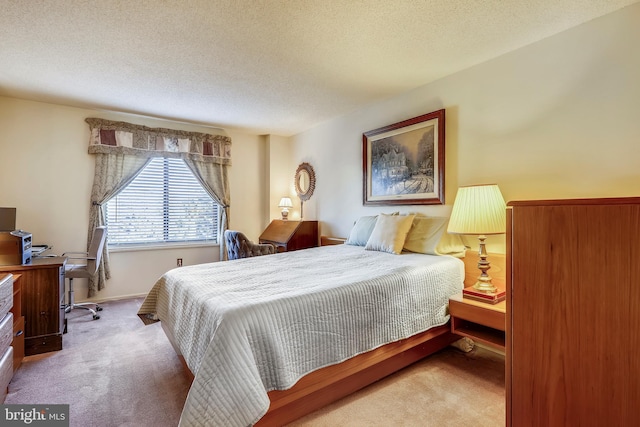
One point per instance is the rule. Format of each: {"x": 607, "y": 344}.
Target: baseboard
{"x": 115, "y": 298}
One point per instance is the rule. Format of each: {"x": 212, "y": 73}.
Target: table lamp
{"x": 479, "y": 210}
{"x": 285, "y": 204}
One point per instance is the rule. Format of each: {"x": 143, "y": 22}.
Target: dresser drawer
{"x": 6, "y": 372}
{"x": 6, "y": 332}
{"x": 18, "y": 342}
{"x": 6, "y": 296}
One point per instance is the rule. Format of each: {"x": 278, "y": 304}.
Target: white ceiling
{"x": 261, "y": 66}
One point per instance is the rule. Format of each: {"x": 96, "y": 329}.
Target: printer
{"x": 15, "y": 247}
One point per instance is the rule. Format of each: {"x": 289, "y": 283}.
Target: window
{"x": 165, "y": 203}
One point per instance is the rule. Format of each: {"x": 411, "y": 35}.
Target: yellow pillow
{"x": 451, "y": 244}
{"x": 389, "y": 233}
{"x": 425, "y": 234}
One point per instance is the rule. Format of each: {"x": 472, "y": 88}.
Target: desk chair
{"x": 85, "y": 271}
{"x": 238, "y": 246}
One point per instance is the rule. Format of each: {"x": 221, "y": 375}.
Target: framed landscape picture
{"x": 403, "y": 163}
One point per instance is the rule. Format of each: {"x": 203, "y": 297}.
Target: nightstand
{"x": 482, "y": 322}
{"x": 328, "y": 241}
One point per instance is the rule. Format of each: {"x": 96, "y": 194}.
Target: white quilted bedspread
{"x": 252, "y": 325}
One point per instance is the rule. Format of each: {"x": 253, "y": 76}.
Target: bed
{"x": 269, "y": 339}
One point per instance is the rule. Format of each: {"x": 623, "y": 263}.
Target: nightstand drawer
{"x": 475, "y": 312}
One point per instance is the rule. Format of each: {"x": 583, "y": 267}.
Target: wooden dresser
{"x": 42, "y": 302}
{"x": 573, "y": 311}
{"x": 18, "y": 322}
{"x": 291, "y": 235}
{"x": 6, "y": 333}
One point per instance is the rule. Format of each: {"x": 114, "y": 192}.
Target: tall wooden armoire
{"x": 573, "y": 312}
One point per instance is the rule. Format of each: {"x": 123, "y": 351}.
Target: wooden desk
{"x": 42, "y": 303}
{"x": 291, "y": 235}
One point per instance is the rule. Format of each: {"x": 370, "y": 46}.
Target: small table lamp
{"x": 285, "y": 204}
{"x": 480, "y": 210}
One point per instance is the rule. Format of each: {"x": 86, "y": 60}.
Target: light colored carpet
{"x": 447, "y": 389}
{"x": 117, "y": 372}
{"x": 113, "y": 372}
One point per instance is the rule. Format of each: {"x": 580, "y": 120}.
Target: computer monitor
{"x": 7, "y": 219}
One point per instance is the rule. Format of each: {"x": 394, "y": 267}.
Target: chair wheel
{"x": 98, "y": 308}
{"x": 96, "y": 317}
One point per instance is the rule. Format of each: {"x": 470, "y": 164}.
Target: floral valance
{"x": 127, "y": 138}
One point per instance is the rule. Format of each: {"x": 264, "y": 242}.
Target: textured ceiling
{"x": 262, "y": 66}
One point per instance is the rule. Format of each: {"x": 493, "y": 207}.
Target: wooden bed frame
{"x": 326, "y": 385}
{"x": 329, "y": 384}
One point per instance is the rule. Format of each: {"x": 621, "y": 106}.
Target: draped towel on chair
{"x": 123, "y": 149}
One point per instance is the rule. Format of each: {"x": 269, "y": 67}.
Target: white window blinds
{"x": 165, "y": 203}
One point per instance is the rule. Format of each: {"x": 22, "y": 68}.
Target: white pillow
{"x": 389, "y": 233}
{"x": 361, "y": 231}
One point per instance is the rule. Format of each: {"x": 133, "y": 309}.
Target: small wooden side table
{"x": 328, "y": 240}
{"x": 482, "y": 322}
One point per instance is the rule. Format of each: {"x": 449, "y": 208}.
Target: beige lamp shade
{"x": 285, "y": 202}
{"x": 478, "y": 209}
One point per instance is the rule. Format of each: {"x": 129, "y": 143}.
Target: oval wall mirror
{"x": 305, "y": 182}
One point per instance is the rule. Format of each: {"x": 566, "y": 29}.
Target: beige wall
{"x": 246, "y": 179}
{"x": 556, "y": 119}
{"x": 280, "y": 177}
{"x": 46, "y": 173}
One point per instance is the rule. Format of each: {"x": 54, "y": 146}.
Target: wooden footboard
{"x": 334, "y": 382}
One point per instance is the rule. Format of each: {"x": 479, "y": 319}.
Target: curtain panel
{"x": 123, "y": 149}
